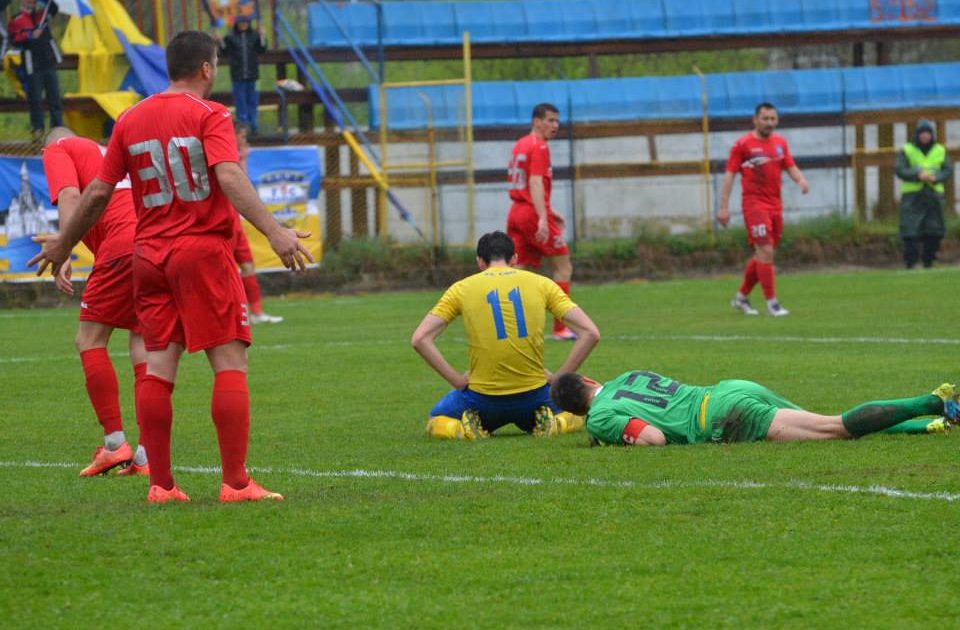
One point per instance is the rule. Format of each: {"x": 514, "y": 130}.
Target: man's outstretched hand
{"x": 286, "y": 243}
{"x": 53, "y": 253}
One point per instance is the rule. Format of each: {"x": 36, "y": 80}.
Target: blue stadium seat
{"x": 785, "y": 17}
{"x": 544, "y": 20}
{"x": 320, "y": 28}
{"x": 884, "y": 89}
{"x": 438, "y": 23}
{"x": 854, "y": 89}
{"x": 493, "y": 23}
{"x": 947, "y": 82}
{"x": 599, "y": 100}
{"x": 579, "y": 21}
{"x": 753, "y": 16}
{"x": 806, "y": 91}
{"x": 835, "y": 14}
{"x": 698, "y": 17}
{"x": 921, "y": 84}
{"x": 527, "y": 94}
{"x": 418, "y": 23}
{"x": 495, "y": 104}
{"x": 743, "y": 91}
{"x": 730, "y": 95}
{"x": 647, "y": 19}
{"x": 677, "y": 97}
{"x": 613, "y": 19}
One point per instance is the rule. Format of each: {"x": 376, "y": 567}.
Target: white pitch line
{"x": 793, "y": 339}
{"x": 875, "y": 490}
{"x": 698, "y": 338}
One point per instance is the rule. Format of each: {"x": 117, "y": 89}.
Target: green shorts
{"x": 741, "y": 411}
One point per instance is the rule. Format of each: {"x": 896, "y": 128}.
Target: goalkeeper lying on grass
{"x": 643, "y": 408}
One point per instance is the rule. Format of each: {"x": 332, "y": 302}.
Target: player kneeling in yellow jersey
{"x": 504, "y": 315}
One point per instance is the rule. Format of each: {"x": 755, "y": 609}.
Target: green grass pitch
{"x": 383, "y": 528}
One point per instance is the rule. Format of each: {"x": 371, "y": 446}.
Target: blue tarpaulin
{"x": 823, "y": 91}
{"x": 524, "y": 21}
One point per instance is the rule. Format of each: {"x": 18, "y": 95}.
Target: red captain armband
{"x": 631, "y": 433}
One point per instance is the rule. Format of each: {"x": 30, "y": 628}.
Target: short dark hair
{"x": 764, "y": 105}
{"x": 571, "y": 393}
{"x": 239, "y": 125}
{"x": 186, "y": 53}
{"x": 540, "y": 110}
{"x": 495, "y": 246}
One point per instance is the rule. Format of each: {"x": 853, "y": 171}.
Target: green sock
{"x": 910, "y": 426}
{"x": 878, "y": 415}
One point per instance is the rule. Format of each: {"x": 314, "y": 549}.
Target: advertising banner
{"x": 286, "y": 178}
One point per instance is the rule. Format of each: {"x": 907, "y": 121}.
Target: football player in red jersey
{"x": 536, "y": 230}
{"x": 760, "y": 157}
{"x": 181, "y": 154}
{"x": 70, "y": 163}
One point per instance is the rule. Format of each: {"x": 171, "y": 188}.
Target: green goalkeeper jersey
{"x": 676, "y": 409}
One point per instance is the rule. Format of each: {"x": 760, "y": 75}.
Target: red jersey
{"x": 169, "y": 143}
{"x": 531, "y": 156}
{"x": 761, "y": 163}
{"x": 75, "y": 162}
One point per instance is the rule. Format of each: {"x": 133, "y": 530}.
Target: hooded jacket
{"x": 244, "y": 48}
{"x": 908, "y": 170}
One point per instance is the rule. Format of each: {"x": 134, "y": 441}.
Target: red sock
{"x": 102, "y": 388}
{"x": 139, "y": 371}
{"x": 749, "y": 277}
{"x": 155, "y": 411}
{"x": 558, "y": 324}
{"x": 252, "y": 289}
{"x": 231, "y": 415}
{"x": 767, "y": 279}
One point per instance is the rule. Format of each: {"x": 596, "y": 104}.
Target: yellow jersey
{"x": 504, "y": 315}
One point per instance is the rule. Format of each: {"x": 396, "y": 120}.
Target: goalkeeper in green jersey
{"x": 643, "y": 408}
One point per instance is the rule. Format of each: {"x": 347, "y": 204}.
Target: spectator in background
{"x": 30, "y": 33}
{"x": 924, "y": 166}
{"x": 243, "y": 45}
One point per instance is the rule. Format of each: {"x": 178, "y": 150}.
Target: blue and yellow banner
{"x": 25, "y": 211}
{"x": 223, "y": 13}
{"x": 288, "y": 181}
{"x": 117, "y": 64}
{"x": 286, "y": 178}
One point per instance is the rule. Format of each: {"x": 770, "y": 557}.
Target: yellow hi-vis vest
{"x": 931, "y": 162}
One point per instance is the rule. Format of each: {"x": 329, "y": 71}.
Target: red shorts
{"x": 764, "y": 227}
{"x": 191, "y": 296}
{"x": 108, "y": 296}
{"x": 241, "y": 245}
{"x": 522, "y": 228}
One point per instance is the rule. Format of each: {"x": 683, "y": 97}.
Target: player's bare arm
{"x": 538, "y": 196}
{"x": 67, "y": 202}
{"x": 650, "y": 436}
{"x": 424, "y": 342}
{"x": 723, "y": 213}
{"x": 284, "y": 241}
{"x": 55, "y": 248}
{"x": 588, "y": 336}
{"x": 799, "y": 179}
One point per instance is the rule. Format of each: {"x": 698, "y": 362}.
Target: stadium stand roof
{"x": 822, "y": 91}
{"x": 419, "y": 23}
